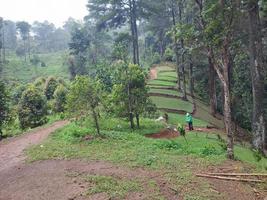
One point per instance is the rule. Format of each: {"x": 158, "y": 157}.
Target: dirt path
{"x": 11, "y": 151}
{"x": 66, "y": 180}
{"x": 153, "y": 73}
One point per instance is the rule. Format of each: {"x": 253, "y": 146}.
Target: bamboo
{"x": 230, "y": 178}
{"x": 238, "y": 174}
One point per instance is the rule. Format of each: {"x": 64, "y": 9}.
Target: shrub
{"x": 168, "y": 56}
{"x": 4, "y": 108}
{"x": 50, "y": 87}
{"x": 17, "y": 93}
{"x": 156, "y": 58}
{"x": 32, "y": 108}
{"x": 40, "y": 82}
{"x": 60, "y": 96}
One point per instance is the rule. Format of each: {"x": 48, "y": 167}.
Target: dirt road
{"x": 11, "y": 151}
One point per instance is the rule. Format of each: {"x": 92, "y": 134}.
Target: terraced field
{"x": 167, "y": 98}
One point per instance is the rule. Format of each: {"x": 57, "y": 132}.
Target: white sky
{"x": 55, "y": 11}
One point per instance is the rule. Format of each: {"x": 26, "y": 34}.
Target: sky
{"x": 55, "y": 11}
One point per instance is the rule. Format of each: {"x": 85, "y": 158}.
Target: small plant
{"x": 181, "y": 130}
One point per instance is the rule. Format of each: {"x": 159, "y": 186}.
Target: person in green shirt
{"x": 189, "y": 121}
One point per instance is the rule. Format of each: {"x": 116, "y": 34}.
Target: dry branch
{"x": 238, "y": 174}
{"x": 230, "y": 178}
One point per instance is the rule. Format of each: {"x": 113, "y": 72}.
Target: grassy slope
{"x": 172, "y": 103}
{"x": 17, "y": 70}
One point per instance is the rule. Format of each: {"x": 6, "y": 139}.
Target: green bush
{"x": 40, "y": 82}
{"x": 17, "y": 93}
{"x": 168, "y": 56}
{"x": 32, "y": 108}
{"x": 50, "y": 87}
{"x": 156, "y": 58}
{"x": 4, "y": 108}
{"x": 60, "y": 96}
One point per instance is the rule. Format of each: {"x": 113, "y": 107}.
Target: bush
{"x": 50, "y": 87}
{"x": 32, "y": 108}
{"x": 4, "y": 108}
{"x": 156, "y": 58}
{"x": 17, "y": 93}
{"x": 40, "y": 82}
{"x": 60, "y": 96}
{"x": 168, "y": 56}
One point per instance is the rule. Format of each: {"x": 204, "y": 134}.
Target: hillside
{"x": 16, "y": 70}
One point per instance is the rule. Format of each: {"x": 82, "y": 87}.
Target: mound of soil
{"x": 166, "y": 133}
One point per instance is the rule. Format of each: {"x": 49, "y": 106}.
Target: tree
{"x": 32, "y": 108}
{"x": 220, "y": 19}
{"x": 85, "y": 98}
{"x": 113, "y": 14}
{"x": 4, "y": 108}
{"x": 1, "y": 42}
{"x": 24, "y": 31}
{"x": 50, "y": 87}
{"x": 10, "y": 35}
{"x": 60, "y": 96}
{"x": 257, "y": 67}
{"x": 43, "y": 34}
{"x": 129, "y": 94}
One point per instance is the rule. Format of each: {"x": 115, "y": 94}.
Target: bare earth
{"x": 11, "y": 151}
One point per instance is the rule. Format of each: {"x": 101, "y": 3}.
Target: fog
{"x": 55, "y": 11}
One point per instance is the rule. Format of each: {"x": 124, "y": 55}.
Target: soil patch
{"x": 11, "y": 150}
{"x": 235, "y": 190}
{"x": 65, "y": 180}
{"x": 153, "y": 73}
{"x": 166, "y": 133}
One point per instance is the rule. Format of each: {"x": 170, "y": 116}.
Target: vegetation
{"x": 32, "y": 108}
{"x": 207, "y": 58}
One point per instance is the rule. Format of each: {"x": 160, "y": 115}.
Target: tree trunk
{"x": 212, "y": 89}
{"x": 223, "y": 73}
{"x": 25, "y": 51}
{"x": 257, "y": 75}
{"x": 176, "y": 50}
{"x": 137, "y": 120}
{"x": 134, "y": 32}
{"x": 29, "y": 46}
{"x": 191, "y": 78}
{"x": 130, "y": 110}
{"x": 95, "y": 116}
{"x": 182, "y": 56}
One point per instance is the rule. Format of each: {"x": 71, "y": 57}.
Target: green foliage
{"x": 17, "y": 93}
{"x": 168, "y": 55}
{"x": 50, "y": 87}
{"x": 35, "y": 60}
{"x": 4, "y": 106}
{"x": 113, "y": 187}
{"x": 60, "y": 98}
{"x": 156, "y": 59}
{"x": 85, "y": 97}
{"x": 32, "y": 108}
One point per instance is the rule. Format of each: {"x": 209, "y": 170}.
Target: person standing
{"x": 189, "y": 121}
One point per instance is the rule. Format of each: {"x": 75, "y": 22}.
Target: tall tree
{"x": 257, "y": 67}
{"x": 24, "y": 31}
{"x": 218, "y": 27}
{"x": 118, "y": 13}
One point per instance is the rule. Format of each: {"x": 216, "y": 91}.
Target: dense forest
{"x": 206, "y": 52}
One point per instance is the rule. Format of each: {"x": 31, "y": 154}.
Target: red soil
{"x": 167, "y": 133}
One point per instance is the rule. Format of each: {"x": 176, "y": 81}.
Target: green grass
{"x": 172, "y": 103}
{"x": 162, "y": 83}
{"x": 164, "y": 74}
{"x": 167, "y": 78}
{"x": 113, "y": 187}
{"x": 13, "y": 129}
{"x": 179, "y": 158}
{"x": 17, "y": 70}
{"x": 162, "y": 91}
{"x": 175, "y": 119}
